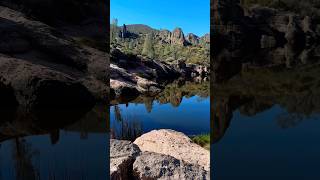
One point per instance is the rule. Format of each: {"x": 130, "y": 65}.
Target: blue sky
{"x": 191, "y": 15}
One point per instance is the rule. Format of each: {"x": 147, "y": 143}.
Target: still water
{"x": 66, "y": 150}
{"x": 184, "y": 107}
{"x": 260, "y": 147}
{"x": 266, "y": 119}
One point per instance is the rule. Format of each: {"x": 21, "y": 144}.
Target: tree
{"x": 148, "y": 48}
{"x": 114, "y": 30}
{"x": 131, "y": 45}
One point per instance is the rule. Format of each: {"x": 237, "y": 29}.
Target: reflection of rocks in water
{"x": 174, "y": 93}
{"x": 26, "y": 123}
{"x": 22, "y": 156}
{"x": 131, "y": 127}
{"x": 294, "y": 89}
{"x": 222, "y": 113}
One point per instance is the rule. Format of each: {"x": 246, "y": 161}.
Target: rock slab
{"x": 175, "y": 144}
{"x": 152, "y": 166}
{"x": 122, "y": 156}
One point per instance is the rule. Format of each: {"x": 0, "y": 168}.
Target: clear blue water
{"x": 191, "y": 116}
{"x": 258, "y": 147}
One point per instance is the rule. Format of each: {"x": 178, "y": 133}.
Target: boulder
{"x": 175, "y": 144}
{"x": 122, "y": 156}
{"x": 152, "y": 166}
{"x": 35, "y": 46}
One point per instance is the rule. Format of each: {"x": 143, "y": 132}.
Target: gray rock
{"x": 152, "y": 166}
{"x": 192, "y": 39}
{"x": 177, "y": 37}
{"x": 122, "y": 156}
{"x": 35, "y": 45}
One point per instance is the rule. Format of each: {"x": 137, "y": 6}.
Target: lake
{"x": 266, "y": 121}
{"x": 73, "y": 148}
{"x": 182, "y": 106}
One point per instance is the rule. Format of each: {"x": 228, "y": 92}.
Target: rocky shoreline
{"x": 159, "y": 154}
{"x": 131, "y": 75}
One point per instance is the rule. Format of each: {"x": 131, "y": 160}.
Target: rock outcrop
{"x": 128, "y": 161}
{"x": 192, "y": 39}
{"x": 45, "y": 67}
{"x": 177, "y": 37}
{"x": 174, "y": 144}
{"x": 134, "y": 75}
{"x": 158, "y": 166}
{"x": 122, "y": 156}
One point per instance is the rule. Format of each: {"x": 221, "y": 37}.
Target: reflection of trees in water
{"x": 131, "y": 127}
{"x": 22, "y": 155}
{"x": 174, "y": 93}
{"x": 117, "y": 113}
{"x": 222, "y": 109}
{"x": 286, "y": 120}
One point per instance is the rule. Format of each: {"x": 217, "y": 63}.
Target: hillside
{"x": 162, "y": 45}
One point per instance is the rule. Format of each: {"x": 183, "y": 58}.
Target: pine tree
{"x": 148, "y": 49}
{"x": 114, "y": 30}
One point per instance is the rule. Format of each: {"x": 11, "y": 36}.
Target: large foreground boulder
{"x": 175, "y": 144}
{"x": 152, "y": 166}
{"x": 122, "y": 156}
{"x": 44, "y": 66}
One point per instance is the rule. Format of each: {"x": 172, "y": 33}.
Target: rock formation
{"x": 129, "y": 162}
{"x": 124, "y": 31}
{"x": 122, "y": 156}
{"x": 175, "y": 144}
{"x": 134, "y": 75}
{"x": 192, "y": 39}
{"x": 45, "y": 67}
{"x": 177, "y": 37}
{"x": 151, "y": 165}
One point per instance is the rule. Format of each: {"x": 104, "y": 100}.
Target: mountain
{"x": 167, "y": 45}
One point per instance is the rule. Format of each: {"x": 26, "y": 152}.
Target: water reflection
{"x": 182, "y": 106}
{"x": 262, "y": 102}
{"x": 54, "y": 144}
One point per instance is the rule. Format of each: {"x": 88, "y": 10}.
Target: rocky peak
{"x": 165, "y": 36}
{"x": 177, "y": 37}
{"x": 205, "y": 39}
{"x": 192, "y": 39}
{"x": 124, "y": 31}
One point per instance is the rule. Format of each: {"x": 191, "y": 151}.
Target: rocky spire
{"x": 177, "y": 37}
{"x": 124, "y": 31}
{"x": 192, "y": 39}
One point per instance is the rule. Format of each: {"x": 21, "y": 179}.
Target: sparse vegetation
{"x": 203, "y": 140}
{"x": 143, "y": 40}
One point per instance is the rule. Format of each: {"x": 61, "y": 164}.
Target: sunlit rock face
{"x": 151, "y": 166}
{"x": 174, "y": 144}
{"x": 177, "y": 37}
